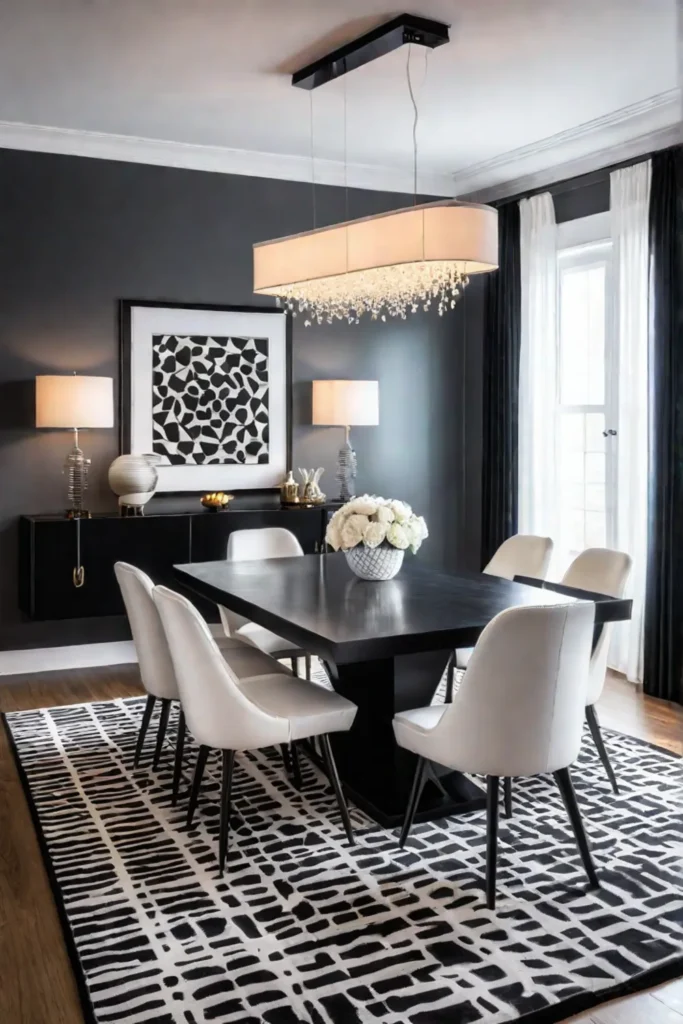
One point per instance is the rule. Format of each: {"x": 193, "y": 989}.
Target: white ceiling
{"x": 523, "y": 84}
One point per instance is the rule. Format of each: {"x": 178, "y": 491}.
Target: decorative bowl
{"x": 216, "y": 501}
{"x": 380, "y": 563}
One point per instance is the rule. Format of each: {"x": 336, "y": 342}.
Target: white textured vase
{"x": 375, "y": 564}
{"x": 134, "y": 478}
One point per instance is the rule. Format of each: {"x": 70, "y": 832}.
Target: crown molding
{"x": 219, "y": 159}
{"x": 624, "y": 134}
{"x": 627, "y": 133}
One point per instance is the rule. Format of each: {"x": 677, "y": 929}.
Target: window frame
{"x": 583, "y": 256}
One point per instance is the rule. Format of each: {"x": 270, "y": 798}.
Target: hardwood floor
{"x": 36, "y": 982}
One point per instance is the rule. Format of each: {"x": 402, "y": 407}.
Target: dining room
{"x": 341, "y": 670}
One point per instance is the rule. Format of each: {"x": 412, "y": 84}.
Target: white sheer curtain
{"x": 629, "y": 205}
{"x": 538, "y": 511}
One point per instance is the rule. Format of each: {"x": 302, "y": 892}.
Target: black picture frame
{"x": 125, "y": 307}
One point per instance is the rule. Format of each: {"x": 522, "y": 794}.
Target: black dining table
{"x": 385, "y": 646}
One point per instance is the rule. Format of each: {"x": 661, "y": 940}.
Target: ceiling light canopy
{"x": 390, "y": 264}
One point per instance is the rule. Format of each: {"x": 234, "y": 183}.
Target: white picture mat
{"x": 145, "y": 322}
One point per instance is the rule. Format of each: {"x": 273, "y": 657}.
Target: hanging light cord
{"x": 312, "y": 161}
{"x": 346, "y": 186}
{"x": 416, "y": 113}
{"x": 346, "y": 176}
{"x": 415, "y": 120}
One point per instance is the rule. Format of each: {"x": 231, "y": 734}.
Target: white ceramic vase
{"x": 134, "y": 478}
{"x": 381, "y": 563}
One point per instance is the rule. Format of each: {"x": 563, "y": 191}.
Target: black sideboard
{"x": 48, "y": 553}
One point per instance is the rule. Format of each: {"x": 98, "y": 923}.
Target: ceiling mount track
{"x": 406, "y": 28}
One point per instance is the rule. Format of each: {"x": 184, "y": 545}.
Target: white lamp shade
{"x": 73, "y": 401}
{"x": 447, "y": 230}
{"x": 346, "y": 403}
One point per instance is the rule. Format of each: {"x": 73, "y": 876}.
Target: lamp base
{"x": 346, "y": 469}
{"x": 77, "y": 513}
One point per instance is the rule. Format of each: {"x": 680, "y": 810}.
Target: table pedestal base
{"x": 376, "y": 772}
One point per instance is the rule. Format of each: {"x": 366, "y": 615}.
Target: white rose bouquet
{"x": 374, "y": 522}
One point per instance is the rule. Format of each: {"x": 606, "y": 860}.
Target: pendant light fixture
{"x": 391, "y": 263}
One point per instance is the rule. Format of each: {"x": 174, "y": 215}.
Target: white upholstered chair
{"x": 518, "y": 711}
{"x": 521, "y": 555}
{"x": 156, "y": 667}
{"x": 222, "y": 714}
{"x": 601, "y": 571}
{"x": 252, "y": 545}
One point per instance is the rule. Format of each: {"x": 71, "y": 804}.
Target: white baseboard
{"x": 51, "y": 659}
{"x": 54, "y": 659}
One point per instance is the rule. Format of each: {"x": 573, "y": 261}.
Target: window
{"x": 586, "y": 444}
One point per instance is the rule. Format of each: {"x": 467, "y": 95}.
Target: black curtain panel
{"x": 663, "y": 672}
{"x": 501, "y": 388}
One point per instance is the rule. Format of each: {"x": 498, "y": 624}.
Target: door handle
{"x": 609, "y": 433}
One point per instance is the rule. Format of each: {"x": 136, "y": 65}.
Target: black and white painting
{"x": 205, "y": 389}
{"x": 210, "y": 399}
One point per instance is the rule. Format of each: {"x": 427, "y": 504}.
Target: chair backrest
{"x": 521, "y": 704}
{"x": 251, "y": 545}
{"x": 267, "y": 542}
{"x": 601, "y": 571}
{"x": 521, "y": 555}
{"x": 218, "y": 712}
{"x": 154, "y": 657}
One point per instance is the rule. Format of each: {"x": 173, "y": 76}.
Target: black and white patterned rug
{"x": 304, "y": 928}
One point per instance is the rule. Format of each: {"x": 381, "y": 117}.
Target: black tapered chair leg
{"x": 296, "y": 767}
{"x": 564, "y": 784}
{"x": 226, "y": 793}
{"x": 491, "y": 839}
{"x": 507, "y": 794}
{"x": 161, "y": 732}
{"x": 179, "y": 750}
{"x": 413, "y": 800}
{"x": 202, "y": 755}
{"x": 307, "y": 662}
{"x": 333, "y": 775}
{"x": 450, "y": 679}
{"x": 596, "y": 733}
{"x": 144, "y": 725}
{"x": 286, "y": 760}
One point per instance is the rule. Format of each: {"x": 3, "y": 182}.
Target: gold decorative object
{"x": 289, "y": 491}
{"x": 312, "y": 495}
{"x": 216, "y": 501}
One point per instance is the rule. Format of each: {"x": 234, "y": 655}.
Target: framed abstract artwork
{"x": 208, "y": 390}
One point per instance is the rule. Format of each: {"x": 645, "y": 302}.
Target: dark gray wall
{"x": 76, "y": 235}
{"x": 581, "y": 197}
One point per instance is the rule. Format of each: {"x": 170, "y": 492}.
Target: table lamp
{"x": 346, "y": 403}
{"x": 75, "y": 403}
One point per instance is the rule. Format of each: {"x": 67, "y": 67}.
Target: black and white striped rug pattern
{"x": 304, "y": 928}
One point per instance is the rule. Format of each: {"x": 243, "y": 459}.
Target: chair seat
{"x": 247, "y": 661}
{"x": 413, "y": 728}
{"x": 271, "y": 643}
{"x": 312, "y": 710}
